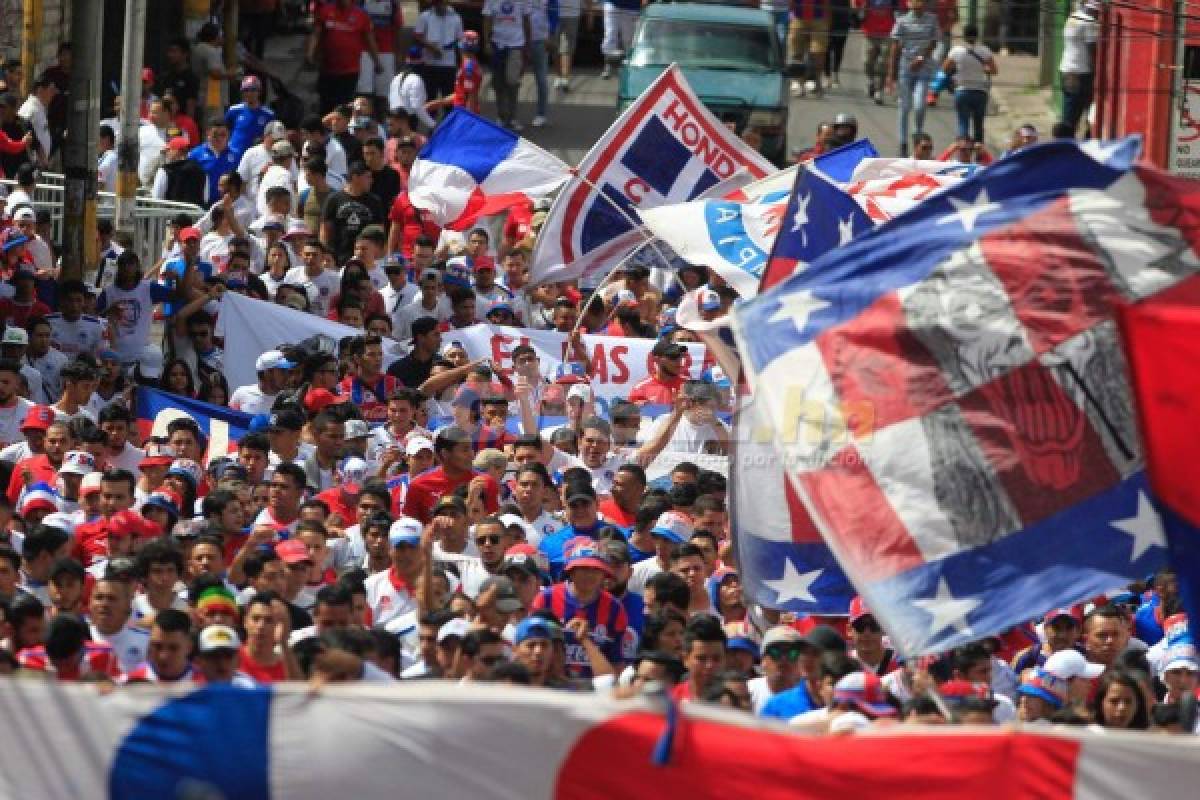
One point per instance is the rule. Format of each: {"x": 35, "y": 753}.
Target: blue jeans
{"x": 537, "y": 55}
{"x": 911, "y": 91}
{"x": 971, "y": 107}
{"x": 781, "y": 19}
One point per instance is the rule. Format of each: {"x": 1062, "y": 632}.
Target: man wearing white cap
{"x": 1180, "y": 671}
{"x": 217, "y": 657}
{"x": 13, "y": 344}
{"x": 257, "y": 158}
{"x": 257, "y": 398}
{"x": 1077, "y": 671}
{"x": 281, "y": 173}
{"x": 394, "y": 591}
{"x": 76, "y": 464}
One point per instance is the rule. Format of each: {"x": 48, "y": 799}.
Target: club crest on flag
{"x": 665, "y": 148}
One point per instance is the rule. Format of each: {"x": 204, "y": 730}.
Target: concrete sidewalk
{"x": 1018, "y": 101}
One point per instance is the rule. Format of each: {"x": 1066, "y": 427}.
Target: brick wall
{"x": 56, "y": 20}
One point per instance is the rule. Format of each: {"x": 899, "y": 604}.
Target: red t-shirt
{"x": 612, "y": 512}
{"x": 519, "y": 222}
{"x": 39, "y": 468}
{"x": 467, "y": 84}
{"x": 427, "y": 488}
{"x": 261, "y": 674}
{"x": 413, "y": 222}
{"x": 878, "y": 17}
{"x": 654, "y": 390}
{"x": 341, "y": 38}
{"x": 19, "y": 314}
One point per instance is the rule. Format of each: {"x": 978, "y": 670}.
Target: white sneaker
{"x": 606, "y": 73}
{"x": 797, "y": 89}
{"x": 835, "y": 84}
{"x": 538, "y": 121}
{"x": 516, "y": 126}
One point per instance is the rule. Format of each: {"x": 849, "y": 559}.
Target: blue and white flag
{"x": 950, "y": 398}
{"x": 471, "y": 167}
{"x": 666, "y": 148}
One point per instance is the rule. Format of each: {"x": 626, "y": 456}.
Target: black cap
{"x": 286, "y": 420}
{"x": 450, "y": 502}
{"x": 667, "y": 348}
{"x": 580, "y": 491}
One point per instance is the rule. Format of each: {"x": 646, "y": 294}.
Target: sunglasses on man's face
{"x": 782, "y": 653}
{"x": 491, "y": 538}
{"x": 867, "y": 626}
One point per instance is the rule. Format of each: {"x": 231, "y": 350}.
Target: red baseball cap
{"x": 316, "y": 400}
{"x": 179, "y": 143}
{"x": 38, "y": 418}
{"x": 131, "y": 523}
{"x": 292, "y": 551}
{"x": 189, "y": 232}
{"x": 147, "y": 75}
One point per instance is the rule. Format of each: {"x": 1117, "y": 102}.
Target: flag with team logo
{"x": 665, "y": 148}
{"x": 950, "y": 398}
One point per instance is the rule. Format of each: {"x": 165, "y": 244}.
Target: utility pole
{"x": 131, "y": 101}
{"x": 79, "y": 154}
{"x": 31, "y": 41}
{"x": 229, "y": 33}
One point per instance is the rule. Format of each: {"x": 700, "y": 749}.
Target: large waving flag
{"x": 472, "y": 167}
{"x": 665, "y": 148}
{"x": 951, "y": 398}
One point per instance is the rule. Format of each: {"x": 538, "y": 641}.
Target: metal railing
{"x": 150, "y": 215}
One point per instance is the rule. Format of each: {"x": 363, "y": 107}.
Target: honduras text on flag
{"x": 665, "y": 148}
{"x": 953, "y": 401}
{"x": 471, "y": 167}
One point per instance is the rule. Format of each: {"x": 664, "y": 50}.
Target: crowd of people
{"x": 421, "y": 519}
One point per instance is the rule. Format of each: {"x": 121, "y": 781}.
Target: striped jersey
{"x": 606, "y": 619}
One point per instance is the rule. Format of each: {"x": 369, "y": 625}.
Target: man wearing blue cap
{"x": 533, "y": 647}
{"x": 394, "y": 591}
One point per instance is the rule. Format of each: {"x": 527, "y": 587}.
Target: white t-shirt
{"x": 106, "y": 170}
{"x": 129, "y": 643}
{"x": 545, "y": 525}
{"x": 968, "y": 66}
{"x": 508, "y": 24}
{"x": 133, "y": 320}
{"x": 11, "y": 419}
{"x": 396, "y": 299}
{"x": 602, "y": 476}
{"x": 385, "y": 600}
{"x": 1079, "y": 33}
{"x": 442, "y": 31}
{"x": 84, "y": 335}
{"x": 643, "y": 571}
{"x": 405, "y": 316}
{"x": 321, "y": 288}
{"x": 687, "y": 436}
{"x": 250, "y": 167}
{"x": 150, "y": 147}
{"x": 275, "y": 176}
{"x": 251, "y": 399}
{"x": 50, "y": 366}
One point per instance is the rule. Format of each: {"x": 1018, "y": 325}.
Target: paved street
{"x": 582, "y": 115}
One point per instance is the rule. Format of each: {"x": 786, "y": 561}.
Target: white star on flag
{"x": 968, "y": 213}
{"x": 845, "y": 230}
{"x": 947, "y": 610}
{"x": 800, "y": 218}
{"x": 792, "y": 585}
{"x": 797, "y": 307}
{"x": 1144, "y": 526}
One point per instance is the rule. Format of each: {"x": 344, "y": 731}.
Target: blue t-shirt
{"x": 1145, "y": 622}
{"x": 214, "y": 165}
{"x": 788, "y": 704}
{"x": 177, "y": 266}
{"x": 552, "y": 545}
{"x": 246, "y": 125}
{"x": 635, "y": 610}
